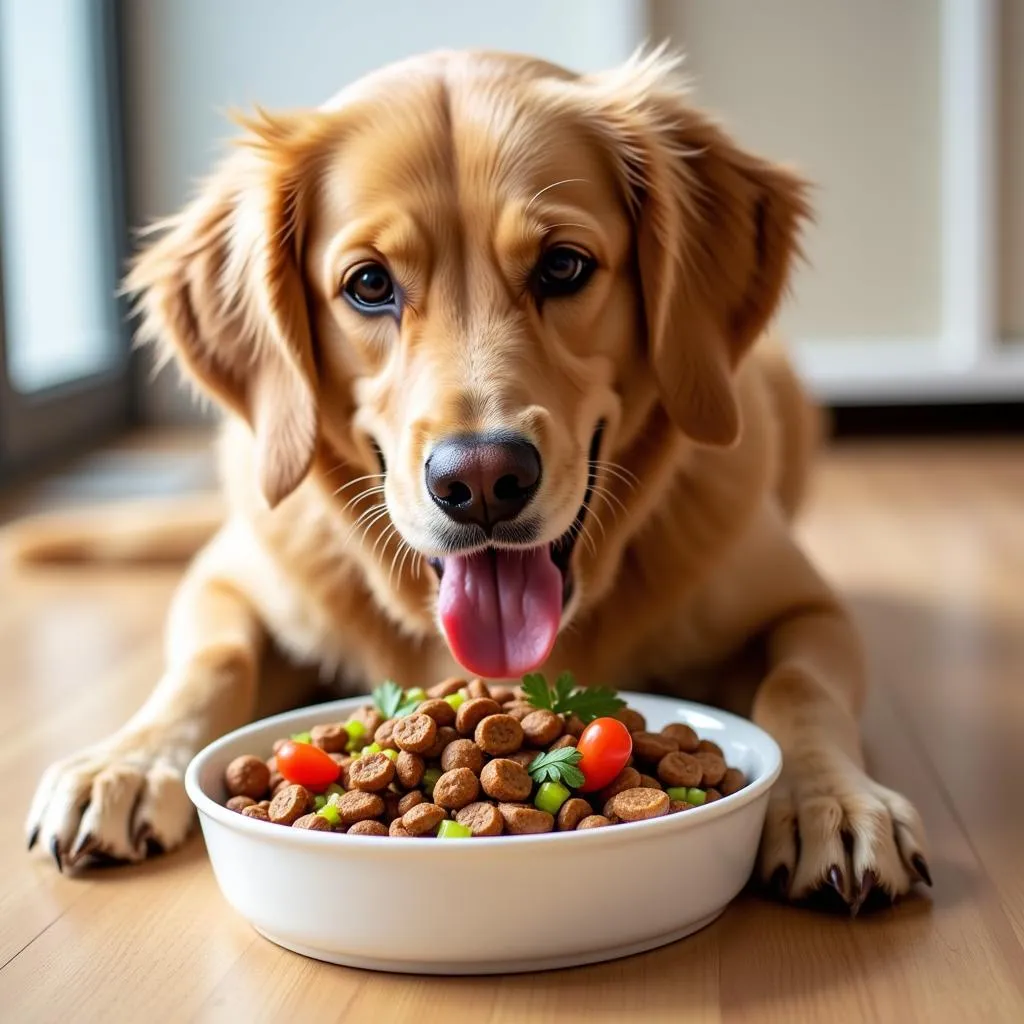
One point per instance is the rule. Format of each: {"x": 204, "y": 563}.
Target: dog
{"x": 493, "y": 344}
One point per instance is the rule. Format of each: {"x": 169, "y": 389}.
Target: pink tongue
{"x": 501, "y": 610}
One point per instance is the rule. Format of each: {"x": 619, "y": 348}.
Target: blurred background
{"x": 909, "y": 117}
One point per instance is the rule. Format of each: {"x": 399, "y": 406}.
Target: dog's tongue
{"x": 501, "y": 610}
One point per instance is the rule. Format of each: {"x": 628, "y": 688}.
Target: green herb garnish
{"x": 392, "y": 701}
{"x": 566, "y": 698}
{"x": 558, "y": 766}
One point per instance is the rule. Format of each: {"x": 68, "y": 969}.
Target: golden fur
{"x": 456, "y": 169}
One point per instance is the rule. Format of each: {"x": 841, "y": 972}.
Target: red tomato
{"x": 307, "y": 765}
{"x": 606, "y": 746}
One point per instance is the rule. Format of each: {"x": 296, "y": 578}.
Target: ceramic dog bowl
{"x": 487, "y": 906}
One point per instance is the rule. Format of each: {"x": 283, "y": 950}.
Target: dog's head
{"x": 476, "y": 282}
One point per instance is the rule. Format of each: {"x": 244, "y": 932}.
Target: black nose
{"x": 483, "y": 478}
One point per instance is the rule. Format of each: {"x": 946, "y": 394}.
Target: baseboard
{"x": 928, "y": 420}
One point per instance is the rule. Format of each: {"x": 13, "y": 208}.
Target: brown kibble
{"x": 439, "y": 710}
{"x": 265, "y": 804}
{"x": 356, "y": 806}
{"x": 276, "y": 778}
{"x": 368, "y": 827}
{"x": 409, "y": 801}
{"x": 477, "y": 688}
{"x": 563, "y": 741}
{"x": 391, "y": 802}
{"x": 675, "y": 806}
{"x": 711, "y": 748}
{"x": 711, "y": 795}
{"x": 447, "y": 687}
{"x": 574, "y": 726}
{"x": 456, "y": 788}
{"x": 247, "y": 776}
{"x": 679, "y": 769}
{"x": 593, "y": 821}
{"x": 283, "y": 784}
{"x": 518, "y": 709}
{"x": 652, "y": 746}
{"x": 370, "y": 717}
{"x": 332, "y": 738}
{"x": 423, "y": 818}
{"x": 342, "y": 760}
{"x": 713, "y": 767}
{"x": 445, "y": 735}
{"x": 415, "y": 733}
{"x": 499, "y": 735}
{"x": 523, "y": 757}
{"x": 313, "y": 822}
{"x": 649, "y": 782}
{"x": 371, "y": 773}
{"x": 542, "y": 727}
{"x": 462, "y": 753}
{"x": 503, "y": 694}
{"x": 732, "y": 781}
{"x": 472, "y": 712}
{"x": 687, "y": 739}
{"x": 257, "y": 812}
{"x": 522, "y": 819}
{"x": 239, "y": 803}
{"x": 385, "y": 734}
{"x": 632, "y": 720}
{"x": 481, "y": 818}
{"x": 409, "y": 768}
{"x": 628, "y": 778}
{"x": 398, "y": 831}
{"x": 639, "y": 804}
{"x": 289, "y": 804}
{"x": 506, "y": 780}
{"x": 572, "y": 812}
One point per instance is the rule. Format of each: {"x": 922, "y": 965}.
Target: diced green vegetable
{"x": 453, "y": 830}
{"x": 332, "y": 789}
{"x": 417, "y": 693}
{"x": 330, "y": 812}
{"x": 373, "y": 748}
{"x": 332, "y": 800}
{"x": 319, "y": 802}
{"x": 430, "y": 777}
{"x": 678, "y": 793}
{"x": 455, "y": 700}
{"x": 356, "y": 730}
{"x": 550, "y": 797}
{"x": 695, "y": 796}
{"x": 302, "y": 737}
{"x": 392, "y": 754}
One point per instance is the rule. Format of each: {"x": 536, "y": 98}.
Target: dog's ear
{"x": 221, "y": 290}
{"x": 716, "y": 234}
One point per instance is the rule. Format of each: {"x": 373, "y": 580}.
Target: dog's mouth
{"x": 501, "y": 608}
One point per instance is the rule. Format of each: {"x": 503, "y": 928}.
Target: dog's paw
{"x": 830, "y": 827}
{"x": 119, "y": 800}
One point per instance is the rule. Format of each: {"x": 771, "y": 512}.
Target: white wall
{"x": 190, "y": 60}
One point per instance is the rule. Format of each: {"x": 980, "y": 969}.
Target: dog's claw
{"x": 836, "y": 880}
{"x": 81, "y": 848}
{"x": 33, "y": 836}
{"x": 920, "y": 865}
{"x": 867, "y": 883}
{"x": 779, "y": 883}
{"x": 55, "y": 851}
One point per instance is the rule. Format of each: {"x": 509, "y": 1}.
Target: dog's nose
{"x": 483, "y": 479}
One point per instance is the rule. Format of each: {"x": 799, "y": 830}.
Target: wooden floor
{"x": 927, "y": 541}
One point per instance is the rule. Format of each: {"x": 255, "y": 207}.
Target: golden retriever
{"x": 485, "y": 331}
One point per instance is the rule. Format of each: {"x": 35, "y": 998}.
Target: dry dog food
{"x": 463, "y": 759}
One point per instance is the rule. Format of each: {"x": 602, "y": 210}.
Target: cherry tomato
{"x": 606, "y": 746}
{"x": 307, "y": 765}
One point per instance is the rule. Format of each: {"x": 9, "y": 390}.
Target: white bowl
{"x": 487, "y": 906}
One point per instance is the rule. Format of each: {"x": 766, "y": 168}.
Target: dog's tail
{"x": 152, "y": 530}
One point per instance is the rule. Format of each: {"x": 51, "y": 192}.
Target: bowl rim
{"x": 666, "y": 824}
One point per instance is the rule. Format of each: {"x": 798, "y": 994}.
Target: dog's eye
{"x": 562, "y": 270}
{"x": 369, "y": 287}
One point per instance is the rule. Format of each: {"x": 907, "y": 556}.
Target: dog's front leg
{"x": 828, "y": 822}
{"x": 125, "y": 795}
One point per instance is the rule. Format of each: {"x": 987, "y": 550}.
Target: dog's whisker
{"x": 361, "y": 495}
{"x": 630, "y": 479}
{"x": 554, "y": 184}
{"x": 358, "y": 480}
{"x": 609, "y": 497}
{"x": 381, "y": 512}
{"x": 383, "y": 536}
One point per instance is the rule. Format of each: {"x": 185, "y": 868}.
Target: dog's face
{"x": 480, "y": 278}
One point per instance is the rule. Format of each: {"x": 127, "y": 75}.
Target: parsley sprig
{"x": 565, "y": 698}
{"x": 389, "y": 699}
{"x": 558, "y": 766}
